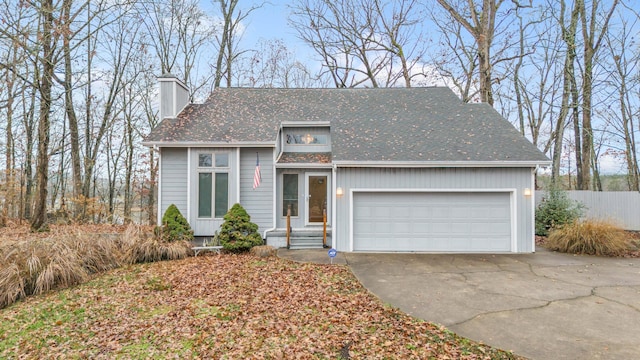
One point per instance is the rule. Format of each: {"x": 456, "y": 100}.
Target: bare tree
{"x": 624, "y": 60}
{"x": 48, "y": 39}
{"x": 363, "y": 42}
{"x": 568, "y": 83}
{"x": 536, "y": 91}
{"x": 273, "y": 65}
{"x": 479, "y": 21}
{"x": 179, "y": 33}
{"x": 594, "y": 29}
{"x": 456, "y": 60}
{"x": 227, "y": 40}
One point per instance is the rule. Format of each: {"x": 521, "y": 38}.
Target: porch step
{"x": 305, "y": 242}
{"x": 307, "y": 238}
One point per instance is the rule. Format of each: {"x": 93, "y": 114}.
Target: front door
{"x": 317, "y": 193}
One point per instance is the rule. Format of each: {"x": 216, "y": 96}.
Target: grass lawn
{"x": 224, "y": 306}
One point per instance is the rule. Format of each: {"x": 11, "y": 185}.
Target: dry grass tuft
{"x": 592, "y": 237}
{"x": 140, "y": 246}
{"x": 263, "y": 251}
{"x": 34, "y": 264}
{"x": 11, "y": 285}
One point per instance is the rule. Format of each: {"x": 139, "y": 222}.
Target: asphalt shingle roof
{"x": 367, "y": 125}
{"x": 305, "y": 158}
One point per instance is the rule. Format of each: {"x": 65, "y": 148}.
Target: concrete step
{"x": 305, "y": 242}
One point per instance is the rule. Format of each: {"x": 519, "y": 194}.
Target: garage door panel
{"x": 445, "y": 222}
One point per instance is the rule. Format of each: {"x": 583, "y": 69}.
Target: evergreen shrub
{"x": 556, "y": 210}
{"x": 238, "y": 233}
{"x": 175, "y": 227}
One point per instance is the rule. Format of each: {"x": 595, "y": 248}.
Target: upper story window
{"x": 306, "y": 139}
{"x": 206, "y": 160}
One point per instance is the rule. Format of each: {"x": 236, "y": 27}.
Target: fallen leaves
{"x": 224, "y": 306}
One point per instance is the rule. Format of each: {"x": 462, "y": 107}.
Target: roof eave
{"x": 179, "y": 144}
{"x": 304, "y": 165}
{"x": 435, "y": 164}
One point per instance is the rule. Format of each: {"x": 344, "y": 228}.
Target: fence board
{"x": 622, "y": 207}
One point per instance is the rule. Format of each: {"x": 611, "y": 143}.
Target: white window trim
{"x": 212, "y": 170}
{"x": 281, "y": 197}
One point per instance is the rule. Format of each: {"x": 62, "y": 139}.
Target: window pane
{"x": 222, "y": 160}
{"x": 307, "y": 139}
{"x": 204, "y": 194}
{"x": 222, "y": 194}
{"x": 204, "y": 160}
{"x": 290, "y": 194}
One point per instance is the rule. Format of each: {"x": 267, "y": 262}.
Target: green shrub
{"x": 238, "y": 233}
{"x": 593, "y": 237}
{"x": 556, "y": 210}
{"x": 174, "y": 226}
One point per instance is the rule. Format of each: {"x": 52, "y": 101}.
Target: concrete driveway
{"x": 543, "y": 306}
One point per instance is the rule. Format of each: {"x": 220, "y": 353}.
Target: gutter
{"x": 225, "y": 144}
{"x": 436, "y": 164}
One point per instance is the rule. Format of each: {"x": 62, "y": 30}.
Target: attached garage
{"x": 432, "y": 221}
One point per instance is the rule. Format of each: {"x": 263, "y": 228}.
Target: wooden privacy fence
{"x": 622, "y": 207}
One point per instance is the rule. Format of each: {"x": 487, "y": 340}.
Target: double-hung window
{"x": 213, "y": 184}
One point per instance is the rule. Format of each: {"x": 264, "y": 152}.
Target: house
{"x": 397, "y": 169}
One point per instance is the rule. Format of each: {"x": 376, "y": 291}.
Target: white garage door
{"x": 432, "y": 221}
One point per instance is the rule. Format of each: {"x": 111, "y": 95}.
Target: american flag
{"x": 257, "y": 177}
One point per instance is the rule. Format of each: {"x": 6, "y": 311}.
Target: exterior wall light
{"x": 526, "y": 192}
{"x": 339, "y": 192}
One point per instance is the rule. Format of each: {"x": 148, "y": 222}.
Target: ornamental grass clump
{"x": 35, "y": 266}
{"x": 140, "y": 246}
{"x": 238, "y": 233}
{"x": 592, "y": 237}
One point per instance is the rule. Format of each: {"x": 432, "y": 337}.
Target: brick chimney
{"x": 174, "y": 96}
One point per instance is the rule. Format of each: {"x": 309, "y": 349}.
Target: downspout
{"x": 274, "y": 211}
{"x": 237, "y": 175}
{"x": 159, "y": 195}
{"x": 191, "y": 221}
{"x": 533, "y": 208}
{"x": 334, "y": 200}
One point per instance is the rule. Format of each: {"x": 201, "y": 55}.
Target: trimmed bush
{"x": 238, "y": 233}
{"x": 556, "y": 210}
{"x": 174, "y": 226}
{"x": 592, "y": 237}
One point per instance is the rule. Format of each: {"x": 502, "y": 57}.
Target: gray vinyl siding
{"x": 166, "y": 102}
{"x": 173, "y": 179}
{"x": 439, "y": 179}
{"x": 174, "y": 97}
{"x": 258, "y": 202}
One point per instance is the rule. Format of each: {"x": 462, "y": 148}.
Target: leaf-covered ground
{"x": 228, "y": 307}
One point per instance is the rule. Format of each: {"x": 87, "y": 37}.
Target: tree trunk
{"x": 568, "y": 81}
{"x": 39, "y": 220}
